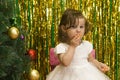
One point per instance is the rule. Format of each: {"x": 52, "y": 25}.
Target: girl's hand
{"x": 103, "y": 67}
{"x": 76, "y": 40}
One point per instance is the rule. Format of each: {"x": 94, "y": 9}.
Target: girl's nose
{"x": 78, "y": 29}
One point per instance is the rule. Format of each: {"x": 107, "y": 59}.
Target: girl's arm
{"x": 67, "y": 57}
{"x": 101, "y": 66}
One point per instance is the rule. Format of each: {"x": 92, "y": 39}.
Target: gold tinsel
{"x": 40, "y": 16}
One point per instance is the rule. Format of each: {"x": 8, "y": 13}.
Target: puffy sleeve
{"x": 90, "y": 47}
{"x": 60, "y": 48}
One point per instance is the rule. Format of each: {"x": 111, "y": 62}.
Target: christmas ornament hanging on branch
{"x": 13, "y": 33}
{"x": 34, "y": 74}
{"x": 22, "y": 37}
{"x": 32, "y": 54}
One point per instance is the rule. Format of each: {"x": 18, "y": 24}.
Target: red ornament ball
{"x": 32, "y": 53}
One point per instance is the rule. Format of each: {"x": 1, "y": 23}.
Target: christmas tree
{"x": 14, "y": 63}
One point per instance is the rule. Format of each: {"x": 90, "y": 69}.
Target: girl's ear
{"x": 63, "y": 28}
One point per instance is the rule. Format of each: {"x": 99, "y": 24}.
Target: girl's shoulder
{"x": 62, "y": 45}
{"x": 61, "y": 48}
{"x": 88, "y": 45}
{"x": 86, "y": 42}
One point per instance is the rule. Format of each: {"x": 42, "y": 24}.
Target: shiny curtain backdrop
{"x": 40, "y": 19}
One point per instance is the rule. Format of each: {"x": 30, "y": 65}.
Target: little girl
{"x": 74, "y": 53}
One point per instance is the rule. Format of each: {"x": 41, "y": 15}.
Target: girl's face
{"x": 79, "y": 28}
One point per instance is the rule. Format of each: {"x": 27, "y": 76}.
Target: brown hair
{"x": 68, "y": 20}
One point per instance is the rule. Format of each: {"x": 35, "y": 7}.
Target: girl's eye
{"x": 81, "y": 26}
{"x": 73, "y": 26}
{"x": 77, "y": 26}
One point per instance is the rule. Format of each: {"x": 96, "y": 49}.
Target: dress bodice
{"x": 81, "y": 52}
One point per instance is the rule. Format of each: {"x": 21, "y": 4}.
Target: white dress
{"x": 80, "y": 68}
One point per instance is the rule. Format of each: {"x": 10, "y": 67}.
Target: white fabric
{"x": 80, "y": 68}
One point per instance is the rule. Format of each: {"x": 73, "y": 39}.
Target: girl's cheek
{"x": 71, "y": 36}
